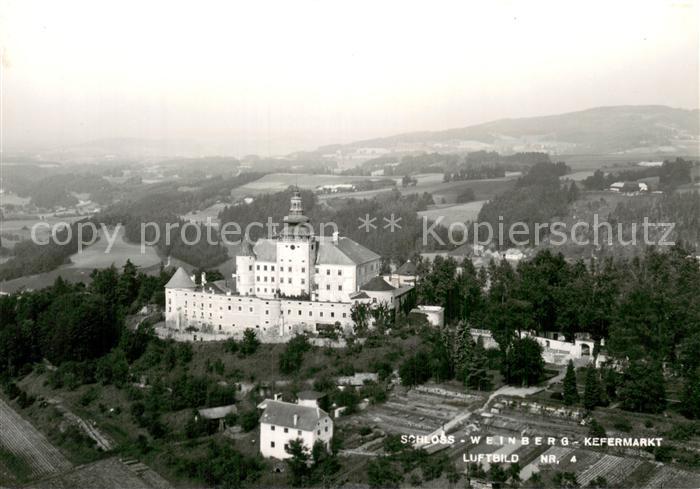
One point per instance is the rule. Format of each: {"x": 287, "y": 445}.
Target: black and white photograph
{"x": 349, "y": 244}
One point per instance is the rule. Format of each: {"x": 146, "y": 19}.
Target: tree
{"x": 249, "y": 343}
{"x": 570, "y": 391}
{"x": 596, "y": 429}
{"x": 513, "y": 473}
{"x": 592, "y": 391}
{"x": 643, "y": 388}
{"x": 78, "y": 326}
{"x": 523, "y": 363}
{"x": 565, "y": 480}
{"x": 298, "y": 463}
{"x": 293, "y": 356}
{"x": 497, "y": 476}
{"x": 381, "y": 473}
{"x": 415, "y": 369}
{"x": 690, "y": 405}
{"x": 478, "y": 376}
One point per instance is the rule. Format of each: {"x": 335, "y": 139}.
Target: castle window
{"x": 340, "y": 272}
{"x": 250, "y": 268}
{"x": 267, "y": 311}
{"x": 303, "y": 269}
{"x": 272, "y": 268}
{"x": 345, "y": 315}
{"x": 316, "y": 270}
{"x": 328, "y": 271}
{"x": 328, "y": 286}
{"x": 265, "y": 268}
{"x": 332, "y": 314}
{"x": 272, "y": 428}
{"x": 289, "y": 280}
{"x": 229, "y": 308}
{"x": 251, "y": 309}
{"x": 286, "y": 430}
{"x": 239, "y": 308}
{"x": 290, "y": 269}
{"x": 299, "y": 312}
{"x": 257, "y": 267}
{"x": 299, "y": 432}
{"x": 303, "y": 281}
{"x": 340, "y": 287}
{"x": 311, "y": 313}
{"x": 320, "y": 314}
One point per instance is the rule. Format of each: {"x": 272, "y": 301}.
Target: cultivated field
{"x": 106, "y": 474}
{"x": 32, "y": 448}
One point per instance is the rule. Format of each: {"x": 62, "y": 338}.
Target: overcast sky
{"x": 259, "y": 76}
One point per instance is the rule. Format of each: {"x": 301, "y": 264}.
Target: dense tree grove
{"x": 647, "y": 309}
{"x": 72, "y": 322}
{"x": 31, "y": 258}
{"x": 537, "y": 197}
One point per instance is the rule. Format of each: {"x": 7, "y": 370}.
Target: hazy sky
{"x": 259, "y": 76}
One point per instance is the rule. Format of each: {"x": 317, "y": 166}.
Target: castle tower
{"x": 245, "y": 274}
{"x": 296, "y": 251}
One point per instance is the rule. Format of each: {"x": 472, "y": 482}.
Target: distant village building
{"x": 405, "y": 275}
{"x": 281, "y": 422}
{"x": 629, "y": 187}
{"x": 217, "y": 413}
{"x": 435, "y": 315}
{"x": 284, "y": 285}
{"x": 357, "y": 380}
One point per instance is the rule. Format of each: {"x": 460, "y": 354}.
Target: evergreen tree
{"x": 298, "y": 462}
{"x": 570, "y": 391}
{"x": 478, "y": 376}
{"x": 592, "y": 393}
{"x": 643, "y": 388}
{"x": 522, "y": 363}
{"x": 691, "y": 395}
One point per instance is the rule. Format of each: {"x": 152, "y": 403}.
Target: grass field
{"x": 98, "y": 256}
{"x": 454, "y": 213}
{"x": 277, "y": 182}
{"x": 201, "y": 216}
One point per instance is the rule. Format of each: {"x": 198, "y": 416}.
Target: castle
{"x": 293, "y": 282}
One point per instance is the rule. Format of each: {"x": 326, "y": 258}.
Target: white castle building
{"x": 283, "y": 285}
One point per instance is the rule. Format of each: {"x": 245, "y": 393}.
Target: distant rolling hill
{"x": 602, "y": 130}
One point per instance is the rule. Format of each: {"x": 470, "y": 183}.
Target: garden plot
{"x": 559, "y": 452}
{"x": 105, "y": 474}
{"x": 613, "y": 469}
{"x": 672, "y": 477}
{"x": 412, "y": 413}
{"x": 21, "y": 438}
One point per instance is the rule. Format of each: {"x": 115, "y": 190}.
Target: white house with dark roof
{"x": 281, "y": 422}
{"x": 284, "y": 285}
